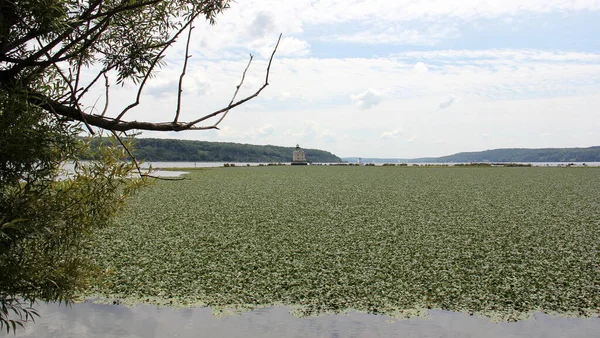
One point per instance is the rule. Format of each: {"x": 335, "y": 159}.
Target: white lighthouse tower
{"x": 299, "y": 157}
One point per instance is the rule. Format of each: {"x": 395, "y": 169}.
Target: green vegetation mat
{"x": 501, "y": 242}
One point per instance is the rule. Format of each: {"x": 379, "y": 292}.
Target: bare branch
{"x": 31, "y": 61}
{"x": 72, "y": 91}
{"x": 36, "y": 33}
{"x": 248, "y": 98}
{"x": 185, "y": 63}
{"x": 116, "y": 124}
{"x": 135, "y": 161}
{"x": 137, "y": 164}
{"x": 87, "y": 88}
{"x": 107, "y": 86}
{"x": 79, "y": 64}
{"x": 237, "y": 89}
{"x": 151, "y": 68}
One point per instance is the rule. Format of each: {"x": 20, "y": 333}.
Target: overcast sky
{"x": 400, "y": 78}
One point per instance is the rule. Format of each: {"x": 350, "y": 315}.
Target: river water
{"x": 157, "y": 166}
{"x": 164, "y": 165}
{"x": 89, "y": 320}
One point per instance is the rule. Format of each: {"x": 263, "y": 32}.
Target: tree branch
{"x": 116, "y": 124}
{"x": 237, "y": 89}
{"x": 72, "y": 92}
{"x": 30, "y": 61}
{"x": 87, "y": 88}
{"x": 248, "y": 98}
{"x": 151, "y": 68}
{"x": 185, "y": 62}
{"x": 36, "y": 33}
{"x": 106, "y": 86}
{"x": 135, "y": 161}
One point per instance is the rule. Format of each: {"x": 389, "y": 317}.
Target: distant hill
{"x": 150, "y": 149}
{"x": 591, "y": 154}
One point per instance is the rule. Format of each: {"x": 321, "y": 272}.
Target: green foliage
{"x": 591, "y": 154}
{"x": 45, "y": 214}
{"x": 497, "y": 241}
{"x": 57, "y": 51}
{"x": 201, "y": 151}
{"x": 125, "y": 36}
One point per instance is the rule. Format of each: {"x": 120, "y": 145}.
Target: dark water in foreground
{"x": 97, "y": 320}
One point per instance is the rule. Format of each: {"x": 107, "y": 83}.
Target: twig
{"x": 135, "y": 161}
{"x": 185, "y": 62}
{"x": 237, "y": 89}
{"x": 151, "y": 68}
{"x": 79, "y": 64}
{"x": 115, "y": 124}
{"x": 87, "y": 88}
{"x": 246, "y": 99}
{"x": 71, "y": 89}
{"x": 107, "y": 86}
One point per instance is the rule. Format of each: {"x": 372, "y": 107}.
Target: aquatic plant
{"x": 501, "y": 242}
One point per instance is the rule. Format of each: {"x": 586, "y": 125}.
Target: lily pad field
{"x": 494, "y": 241}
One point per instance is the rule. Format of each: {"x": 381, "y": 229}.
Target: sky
{"x": 394, "y": 79}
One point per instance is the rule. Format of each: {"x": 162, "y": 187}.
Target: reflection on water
{"x": 165, "y": 173}
{"x": 98, "y": 320}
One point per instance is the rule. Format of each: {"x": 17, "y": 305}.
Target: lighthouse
{"x": 299, "y": 157}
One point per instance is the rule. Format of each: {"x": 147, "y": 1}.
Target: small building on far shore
{"x": 299, "y": 157}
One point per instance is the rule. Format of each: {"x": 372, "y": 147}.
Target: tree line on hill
{"x": 590, "y": 154}
{"x": 169, "y": 150}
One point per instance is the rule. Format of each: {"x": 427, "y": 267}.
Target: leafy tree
{"x": 202, "y": 151}
{"x": 44, "y": 215}
{"x": 53, "y": 53}
{"x": 46, "y": 46}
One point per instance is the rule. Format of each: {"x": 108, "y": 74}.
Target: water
{"x": 165, "y": 165}
{"x": 99, "y": 320}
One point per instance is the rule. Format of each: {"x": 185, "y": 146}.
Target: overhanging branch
{"x": 116, "y": 124}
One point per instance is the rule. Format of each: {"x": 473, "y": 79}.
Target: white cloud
{"x": 448, "y": 101}
{"x": 228, "y": 132}
{"x": 396, "y": 36}
{"x": 195, "y": 82}
{"x": 284, "y": 95}
{"x": 291, "y": 133}
{"x": 327, "y": 135}
{"x": 288, "y": 47}
{"x": 507, "y": 55}
{"x": 292, "y": 47}
{"x": 311, "y": 131}
{"x": 242, "y": 133}
{"x": 367, "y": 99}
{"x": 260, "y": 132}
{"x": 512, "y": 94}
{"x": 245, "y": 22}
{"x": 262, "y": 25}
{"x": 392, "y": 134}
{"x": 405, "y": 10}
{"x": 309, "y": 128}
{"x": 420, "y": 67}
